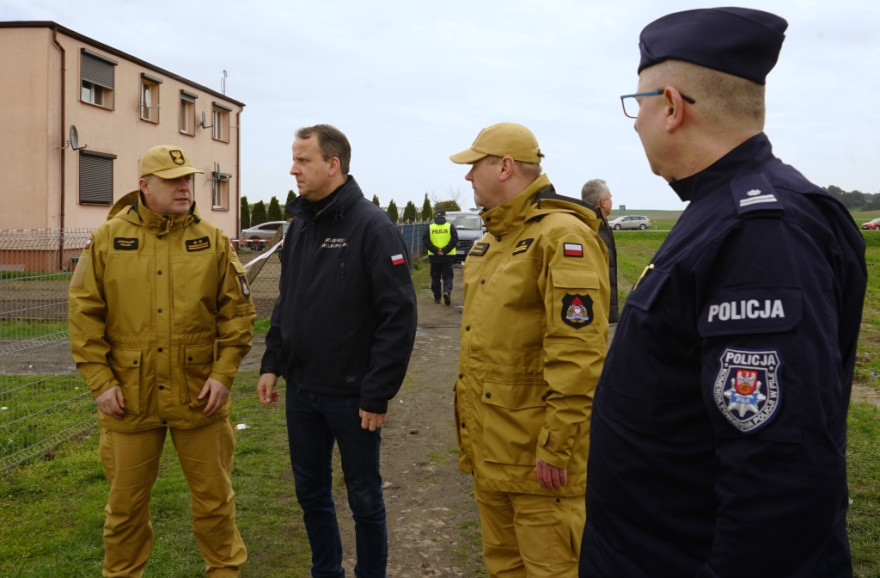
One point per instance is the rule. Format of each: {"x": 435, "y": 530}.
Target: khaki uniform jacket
{"x": 157, "y": 305}
{"x": 534, "y": 334}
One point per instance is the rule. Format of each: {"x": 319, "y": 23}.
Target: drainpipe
{"x": 63, "y": 149}
{"x": 237, "y": 223}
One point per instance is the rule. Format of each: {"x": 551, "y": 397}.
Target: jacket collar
{"x": 331, "y": 208}
{"x": 536, "y": 201}
{"x": 751, "y": 153}
{"x": 132, "y": 209}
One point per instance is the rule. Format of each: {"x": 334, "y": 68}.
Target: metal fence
{"x": 43, "y": 401}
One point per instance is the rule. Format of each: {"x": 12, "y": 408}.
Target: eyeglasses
{"x": 631, "y": 104}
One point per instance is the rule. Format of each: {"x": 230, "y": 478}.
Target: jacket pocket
{"x": 126, "y": 366}
{"x": 198, "y": 360}
{"x": 513, "y": 416}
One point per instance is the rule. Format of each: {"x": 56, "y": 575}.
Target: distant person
{"x": 441, "y": 239}
{"x": 160, "y": 319}
{"x": 719, "y": 427}
{"x": 341, "y": 336}
{"x": 534, "y": 333}
{"x": 597, "y": 194}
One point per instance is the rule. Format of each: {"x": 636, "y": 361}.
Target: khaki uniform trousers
{"x": 131, "y": 464}
{"x": 530, "y": 535}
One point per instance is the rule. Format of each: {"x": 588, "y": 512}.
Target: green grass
{"x": 53, "y": 508}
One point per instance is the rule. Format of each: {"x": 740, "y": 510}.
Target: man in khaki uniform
{"x": 534, "y": 333}
{"x": 160, "y": 318}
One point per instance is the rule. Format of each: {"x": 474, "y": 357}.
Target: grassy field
{"x": 53, "y": 507}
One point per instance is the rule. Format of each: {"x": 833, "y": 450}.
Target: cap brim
{"x": 178, "y": 172}
{"x": 468, "y": 156}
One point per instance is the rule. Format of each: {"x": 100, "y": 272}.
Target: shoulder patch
{"x": 522, "y": 246}
{"x": 747, "y": 389}
{"x": 479, "y": 249}
{"x": 577, "y": 310}
{"x": 754, "y": 193}
{"x": 573, "y": 250}
{"x": 199, "y": 244}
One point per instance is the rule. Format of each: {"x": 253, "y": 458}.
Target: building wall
{"x": 40, "y": 81}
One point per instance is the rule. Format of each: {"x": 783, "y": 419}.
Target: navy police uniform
{"x": 719, "y": 425}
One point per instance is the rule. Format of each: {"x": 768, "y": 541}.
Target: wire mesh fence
{"x": 43, "y": 401}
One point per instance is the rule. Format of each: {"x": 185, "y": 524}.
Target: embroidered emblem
{"x": 522, "y": 246}
{"x": 125, "y": 243}
{"x": 88, "y": 244}
{"x": 755, "y": 196}
{"x": 479, "y": 249}
{"x": 577, "y": 310}
{"x": 397, "y": 259}
{"x": 573, "y": 250}
{"x": 177, "y": 157}
{"x": 245, "y": 288}
{"x": 198, "y": 244}
{"x": 747, "y": 389}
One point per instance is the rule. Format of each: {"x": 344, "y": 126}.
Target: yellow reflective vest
{"x": 440, "y": 236}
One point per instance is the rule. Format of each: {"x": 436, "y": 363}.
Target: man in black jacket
{"x": 598, "y": 195}
{"x": 341, "y": 336}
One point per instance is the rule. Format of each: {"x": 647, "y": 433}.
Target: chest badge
{"x": 577, "y": 310}
{"x": 747, "y": 389}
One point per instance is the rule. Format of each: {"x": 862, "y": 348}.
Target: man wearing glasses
{"x": 719, "y": 426}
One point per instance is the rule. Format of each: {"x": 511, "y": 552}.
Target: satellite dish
{"x": 74, "y": 137}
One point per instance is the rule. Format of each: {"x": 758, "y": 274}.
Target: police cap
{"x": 739, "y": 41}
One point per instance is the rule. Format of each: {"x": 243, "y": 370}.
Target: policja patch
{"x": 747, "y": 390}
{"x": 577, "y": 310}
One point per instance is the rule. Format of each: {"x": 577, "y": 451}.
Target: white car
{"x": 259, "y": 236}
{"x": 630, "y": 222}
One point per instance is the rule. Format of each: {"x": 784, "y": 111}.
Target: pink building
{"x": 75, "y": 116}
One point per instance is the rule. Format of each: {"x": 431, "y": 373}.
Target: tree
{"x": 427, "y": 212}
{"x": 450, "y": 205}
{"x": 258, "y": 215}
{"x": 410, "y": 214}
{"x": 274, "y": 213}
{"x": 245, "y": 217}
{"x": 290, "y": 197}
{"x": 376, "y": 200}
{"x": 392, "y": 211}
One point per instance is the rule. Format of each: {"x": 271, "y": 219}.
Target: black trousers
{"x": 441, "y": 271}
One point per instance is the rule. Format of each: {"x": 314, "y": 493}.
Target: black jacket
{"x": 345, "y": 319}
{"x": 719, "y": 422}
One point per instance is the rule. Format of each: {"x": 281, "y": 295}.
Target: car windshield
{"x": 465, "y": 221}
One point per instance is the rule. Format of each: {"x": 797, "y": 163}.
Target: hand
{"x": 550, "y": 478}
{"x": 371, "y": 421}
{"x": 266, "y": 389}
{"x": 217, "y": 394}
{"x": 112, "y": 402}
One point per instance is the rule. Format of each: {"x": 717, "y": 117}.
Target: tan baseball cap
{"x": 166, "y": 162}
{"x": 499, "y": 140}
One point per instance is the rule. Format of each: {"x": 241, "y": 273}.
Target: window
{"x": 220, "y": 190}
{"x": 97, "y": 76}
{"x": 150, "y": 98}
{"x": 95, "y": 178}
{"x": 220, "y": 122}
{"x": 188, "y": 112}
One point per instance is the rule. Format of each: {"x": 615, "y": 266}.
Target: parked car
{"x": 470, "y": 229}
{"x": 872, "y": 225}
{"x": 259, "y": 236}
{"x": 630, "y": 222}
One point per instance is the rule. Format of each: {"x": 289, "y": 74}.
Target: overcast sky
{"x": 411, "y": 82}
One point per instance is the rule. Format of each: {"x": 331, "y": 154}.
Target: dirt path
{"x": 433, "y": 527}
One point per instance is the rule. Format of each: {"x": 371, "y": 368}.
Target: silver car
{"x": 259, "y": 236}
{"x": 630, "y": 222}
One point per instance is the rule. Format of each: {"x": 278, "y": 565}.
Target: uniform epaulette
{"x": 753, "y": 193}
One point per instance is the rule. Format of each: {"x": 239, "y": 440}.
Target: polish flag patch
{"x": 573, "y": 250}
{"x": 397, "y": 259}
